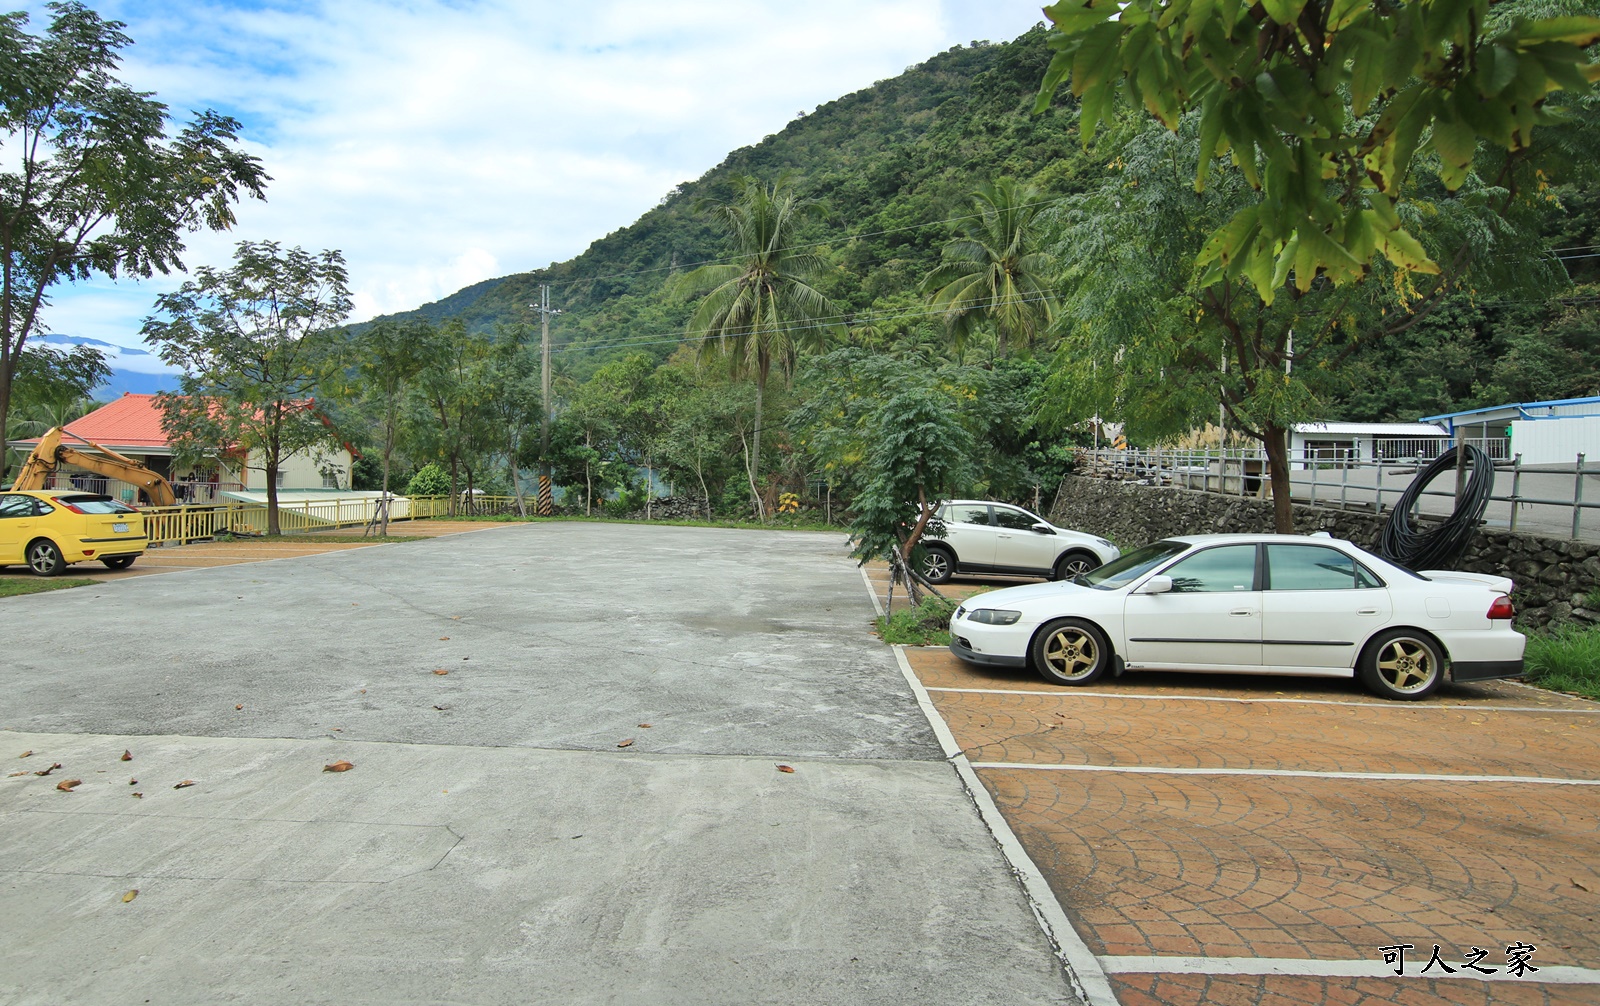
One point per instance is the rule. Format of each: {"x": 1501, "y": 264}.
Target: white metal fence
{"x": 1540, "y": 499}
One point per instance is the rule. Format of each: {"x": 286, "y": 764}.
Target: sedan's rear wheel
{"x": 1073, "y": 564}
{"x": 45, "y": 559}
{"x": 1071, "y": 652}
{"x": 1403, "y": 664}
{"x": 938, "y": 565}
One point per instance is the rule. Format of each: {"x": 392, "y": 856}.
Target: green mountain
{"x": 888, "y": 165}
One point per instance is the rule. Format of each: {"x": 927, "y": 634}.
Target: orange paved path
{"x": 206, "y": 554}
{"x": 1151, "y": 856}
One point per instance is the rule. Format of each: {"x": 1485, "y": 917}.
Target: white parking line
{"x": 1397, "y": 707}
{"x": 1297, "y": 773}
{"x": 1556, "y": 974}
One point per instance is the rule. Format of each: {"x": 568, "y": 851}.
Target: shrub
{"x": 430, "y": 480}
{"x": 1565, "y": 659}
{"x": 928, "y": 624}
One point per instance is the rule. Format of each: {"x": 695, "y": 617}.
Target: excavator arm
{"x": 52, "y": 453}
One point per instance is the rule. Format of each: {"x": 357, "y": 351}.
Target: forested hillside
{"x": 891, "y": 164}
{"x": 888, "y": 166}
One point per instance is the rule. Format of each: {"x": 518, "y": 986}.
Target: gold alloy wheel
{"x": 1071, "y": 652}
{"x": 1407, "y": 665}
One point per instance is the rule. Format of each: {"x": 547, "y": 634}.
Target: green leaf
{"x": 1097, "y": 59}
{"x": 1074, "y": 16}
{"x": 1283, "y": 11}
{"x": 1456, "y": 142}
{"x": 1210, "y": 133}
{"x": 1366, "y": 76}
{"x": 1344, "y": 12}
{"x": 1405, "y": 251}
{"x": 1578, "y": 30}
{"x": 1497, "y": 67}
{"x": 1200, "y": 12}
{"x": 1232, "y": 239}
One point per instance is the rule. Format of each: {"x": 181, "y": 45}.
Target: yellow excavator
{"x": 52, "y": 453}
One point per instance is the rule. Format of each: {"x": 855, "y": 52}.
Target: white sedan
{"x": 981, "y": 536}
{"x": 1252, "y": 604}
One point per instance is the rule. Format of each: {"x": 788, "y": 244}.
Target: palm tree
{"x": 760, "y": 310}
{"x": 994, "y": 271}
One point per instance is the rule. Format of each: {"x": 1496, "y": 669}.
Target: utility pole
{"x": 546, "y": 498}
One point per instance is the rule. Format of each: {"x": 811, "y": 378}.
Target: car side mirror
{"x": 1156, "y": 585}
{"x": 1043, "y": 529}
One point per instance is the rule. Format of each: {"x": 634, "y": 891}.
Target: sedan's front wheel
{"x": 1403, "y": 664}
{"x": 1071, "y": 652}
{"x": 45, "y": 559}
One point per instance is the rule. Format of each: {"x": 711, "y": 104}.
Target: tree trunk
{"x": 754, "y": 465}
{"x": 1276, "y": 440}
{"x": 516, "y": 480}
{"x": 450, "y": 507}
{"x": 388, "y": 450}
{"x": 700, "y": 473}
{"x": 649, "y": 484}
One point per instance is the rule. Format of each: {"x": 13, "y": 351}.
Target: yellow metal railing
{"x": 177, "y": 525}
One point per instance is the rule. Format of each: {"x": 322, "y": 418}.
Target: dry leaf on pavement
{"x": 339, "y": 766}
{"x": 644, "y": 726}
{"x": 443, "y": 639}
{"x": 133, "y": 782}
{"x": 47, "y": 771}
{"x": 130, "y": 895}
{"x": 440, "y": 670}
{"x": 26, "y": 754}
{"x": 127, "y": 756}
{"x": 241, "y": 706}
{"x": 786, "y": 768}
{"x": 68, "y": 785}
{"x": 625, "y": 744}
{"x": 139, "y": 795}
{"x": 185, "y": 784}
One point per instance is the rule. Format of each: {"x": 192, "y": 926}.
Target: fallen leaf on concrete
{"x": 786, "y": 768}
{"x": 238, "y": 707}
{"x": 130, "y": 895}
{"x": 127, "y": 756}
{"x": 47, "y": 771}
{"x": 440, "y": 670}
{"x": 625, "y": 744}
{"x": 1579, "y": 886}
{"x": 644, "y": 726}
{"x": 443, "y": 639}
{"x": 139, "y": 795}
{"x": 441, "y": 708}
{"x": 15, "y": 774}
{"x": 133, "y": 782}
{"x": 26, "y": 754}
{"x": 363, "y": 691}
{"x": 185, "y": 784}
{"x": 339, "y": 766}
{"x": 354, "y": 604}
{"x": 455, "y": 618}
{"x": 68, "y": 785}
{"x": 338, "y": 730}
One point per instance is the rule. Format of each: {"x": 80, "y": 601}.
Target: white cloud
{"x": 441, "y": 142}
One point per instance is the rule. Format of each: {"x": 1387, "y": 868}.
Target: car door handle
{"x": 1242, "y": 611}
{"x": 1002, "y": 536}
{"x": 1367, "y": 611}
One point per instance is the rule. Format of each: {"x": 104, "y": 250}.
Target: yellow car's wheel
{"x": 119, "y": 561}
{"x": 45, "y": 559}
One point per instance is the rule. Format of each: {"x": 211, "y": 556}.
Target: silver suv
{"x": 982, "y": 536}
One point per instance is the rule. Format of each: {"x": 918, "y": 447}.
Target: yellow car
{"x": 49, "y": 529}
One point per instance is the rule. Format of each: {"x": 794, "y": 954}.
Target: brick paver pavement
{"x": 1160, "y": 809}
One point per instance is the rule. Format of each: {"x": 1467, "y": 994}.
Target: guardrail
{"x": 177, "y": 525}
{"x": 1544, "y": 499}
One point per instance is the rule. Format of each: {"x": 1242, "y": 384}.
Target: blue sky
{"x": 442, "y": 142}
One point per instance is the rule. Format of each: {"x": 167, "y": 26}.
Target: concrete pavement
{"x": 493, "y": 843}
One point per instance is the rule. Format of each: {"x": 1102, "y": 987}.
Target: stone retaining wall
{"x": 1552, "y": 575}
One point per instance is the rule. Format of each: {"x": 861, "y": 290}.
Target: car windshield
{"x": 97, "y": 504}
{"x": 1122, "y": 571}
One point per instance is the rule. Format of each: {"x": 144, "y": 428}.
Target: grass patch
{"x": 16, "y": 586}
{"x": 775, "y": 524}
{"x": 928, "y": 624}
{"x": 1565, "y": 659}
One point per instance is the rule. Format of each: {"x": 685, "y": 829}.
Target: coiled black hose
{"x": 1441, "y": 546}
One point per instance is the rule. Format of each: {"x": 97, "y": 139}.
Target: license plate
{"x": 119, "y": 528}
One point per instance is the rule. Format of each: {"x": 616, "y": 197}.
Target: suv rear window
{"x": 97, "y": 504}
